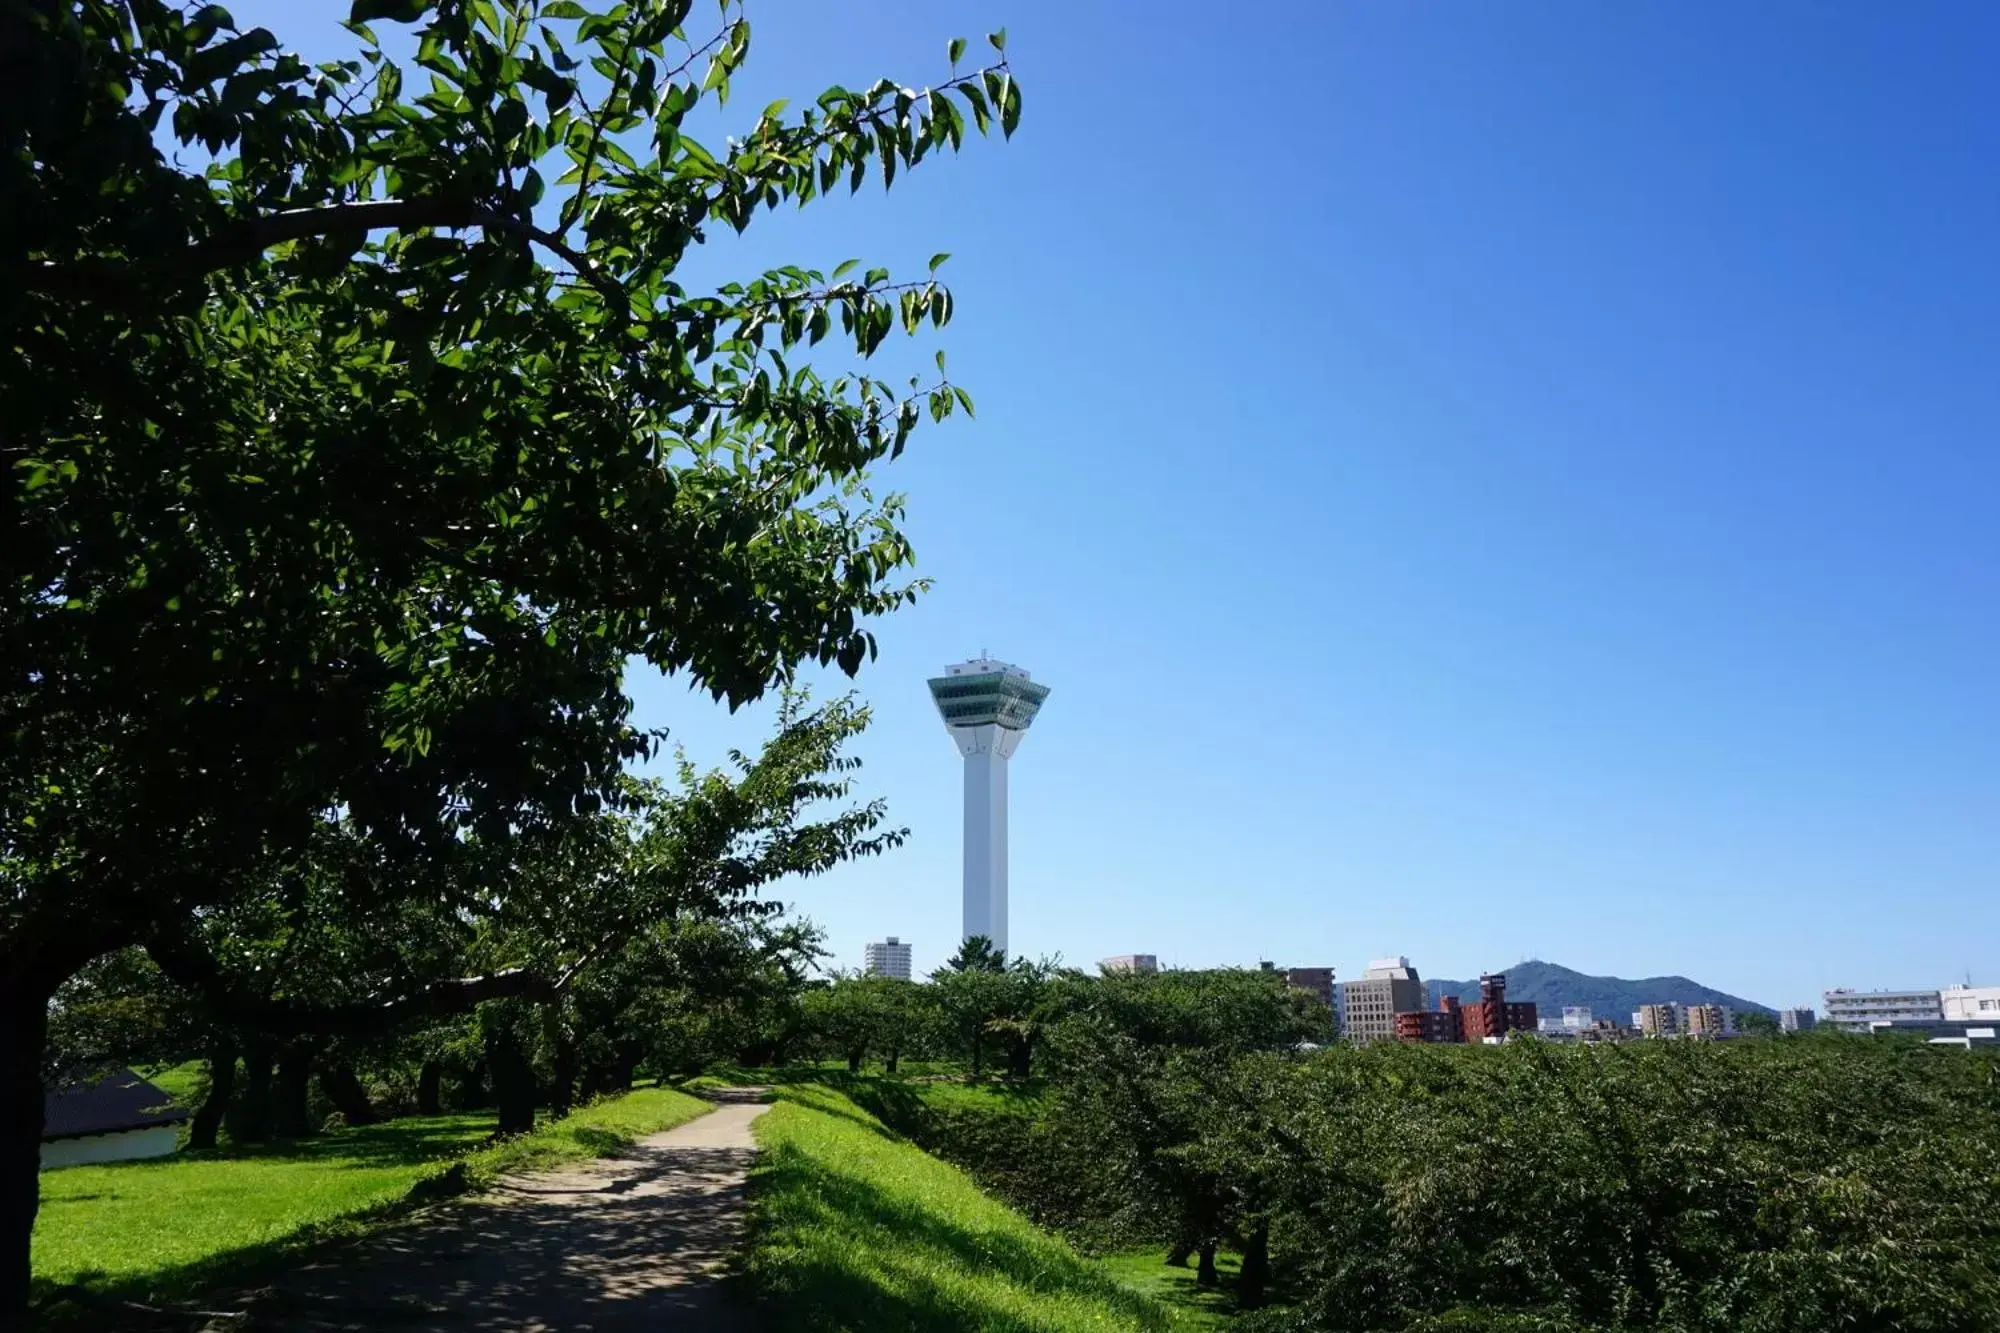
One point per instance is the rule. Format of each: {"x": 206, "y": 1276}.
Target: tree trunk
{"x": 1179, "y": 1254}
{"x": 854, "y": 1062}
{"x": 1255, "y": 1276}
{"x": 895, "y": 1057}
{"x": 978, "y": 1049}
{"x": 430, "y": 1088}
{"x": 251, "y": 1122}
{"x": 202, "y": 1131}
{"x": 625, "y": 1069}
{"x": 24, "y": 1026}
{"x": 1204, "y": 1273}
{"x": 292, "y": 1116}
{"x": 338, "y": 1081}
{"x": 513, "y": 1082}
{"x": 477, "y": 1094}
{"x": 562, "y": 1093}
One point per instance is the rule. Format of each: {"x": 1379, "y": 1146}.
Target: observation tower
{"x": 987, "y": 706}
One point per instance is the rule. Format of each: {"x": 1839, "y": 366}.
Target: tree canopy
{"x": 358, "y": 433}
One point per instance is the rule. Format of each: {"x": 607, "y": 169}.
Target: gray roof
{"x": 119, "y": 1101}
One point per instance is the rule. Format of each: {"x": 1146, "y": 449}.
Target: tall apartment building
{"x": 1970, "y": 1004}
{"x": 1658, "y": 1020}
{"x": 1708, "y": 1020}
{"x": 1388, "y": 987}
{"x": 1858, "y": 1010}
{"x": 889, "y": 958}
{"x": 1129, "y": 962}
{"x": 1492, "y": 1018}
{"x": 1797, "y": 1020}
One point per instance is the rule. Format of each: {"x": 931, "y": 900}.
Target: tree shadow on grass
{"x": 881, "y": 1262}
{"x": 627, "y": 1254}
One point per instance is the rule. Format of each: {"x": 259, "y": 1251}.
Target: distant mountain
{"x": 1551, "y": 986}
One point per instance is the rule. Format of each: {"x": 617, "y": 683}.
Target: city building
{"x": 1800, "y": 1019}
{"x": 1576, "y": 1017}
{"x": 1970, "y": 1004}
{"x": 890, "y": 958}
{"x": 1317, "y": 982}
{"x": 1129, "y": 962}
{"x": 1658, "y": 1020}
{"x": 1492, "y": 1018}
{"x": 1388, "y": 987}
{"x": 987, "y": 706}
{"x": 1488, "y": 1019}
{"x": 1708, "y": 1020}
{"x": 1857, "y": 1010}
{"x": 1446, "y": 1023}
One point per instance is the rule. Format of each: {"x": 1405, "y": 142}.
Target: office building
{"x": 1970, "y": 1004}
{"x": 890, "y": 958}
{"x": 1797, "y": 1020}
{"x": 1388, "y": 987}
{"x": 1129, "y": 962}
{"x": 1858, "y": 1010}
{"x": 1577, "y": 1017}
{"x": 987, "y": 706}
{"x": 1708, "y": 1020}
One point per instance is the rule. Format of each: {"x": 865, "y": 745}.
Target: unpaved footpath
{"x": 609, "y": 1246}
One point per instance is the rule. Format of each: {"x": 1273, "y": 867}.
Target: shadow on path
{"x": 627, "y": 1244}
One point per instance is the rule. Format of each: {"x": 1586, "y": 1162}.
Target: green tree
{"x": 353, "y": 450}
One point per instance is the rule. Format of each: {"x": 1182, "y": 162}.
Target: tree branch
{"x": 188, "y": 963}
{"x": 242, "y": 242}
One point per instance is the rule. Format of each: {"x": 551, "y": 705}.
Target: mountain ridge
{"x": 1551, "y": 986}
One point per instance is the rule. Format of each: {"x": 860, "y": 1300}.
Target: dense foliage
{"x": 357, "y": 433}
{"x": 1785, "y": 1185}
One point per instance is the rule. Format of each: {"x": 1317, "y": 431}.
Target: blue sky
{"x": 1483, "y": 481}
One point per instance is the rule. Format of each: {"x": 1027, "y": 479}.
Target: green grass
{"x": 1147, "y": 1271}
{"x": 177, "y": 1081}
{"x": 854, "y": 1229}
{"x": 178, "y": 1223}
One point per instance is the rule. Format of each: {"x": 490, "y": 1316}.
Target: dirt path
{"x": 608, "y": 1246}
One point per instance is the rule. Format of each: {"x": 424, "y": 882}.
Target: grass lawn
{"x": 1147, "y": 1271}
{"x": 853, "y": 1228}
{"x": 176, "y": 1223}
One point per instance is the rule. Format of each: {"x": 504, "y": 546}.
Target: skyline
{"x": 1488, "y": 485}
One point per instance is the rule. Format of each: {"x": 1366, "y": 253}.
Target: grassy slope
{"x": 852, "y": 1228}
{"x": 177, "y": 1221}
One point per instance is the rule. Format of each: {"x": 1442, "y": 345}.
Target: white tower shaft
{"x": 987, "y": 706}
{"x": 987, "y": 750}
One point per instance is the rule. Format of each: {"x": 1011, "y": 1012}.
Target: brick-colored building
{"x": 1442, "y": 1024}
{"x": 1490, "y": 1017}
{"x": 1493, "y": 1016}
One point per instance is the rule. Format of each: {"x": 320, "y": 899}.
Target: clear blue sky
{"x": 1482, "y": 481}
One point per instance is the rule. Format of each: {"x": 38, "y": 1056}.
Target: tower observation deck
{"x": 987, "y": 706}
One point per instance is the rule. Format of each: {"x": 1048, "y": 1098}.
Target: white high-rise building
{"x": 889, "y": 958}
{"x": 987, "y": 706}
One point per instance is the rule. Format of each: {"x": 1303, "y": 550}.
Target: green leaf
{"x": 1010, "y": 109}
{"x": 956, "y": 49}
{"x": 398, "y": 11}
{"x": 843, "y": 267}
{"x": 998, "y": 40}
{"x": 937, "y": 260}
